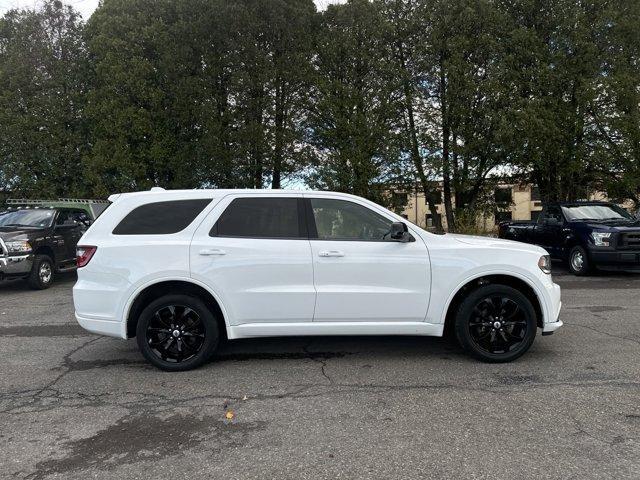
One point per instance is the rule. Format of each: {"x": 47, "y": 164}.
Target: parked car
{"x": 179, "y": 270}
{"x": 39, "y": 238}
{"x": 585, "y": 234}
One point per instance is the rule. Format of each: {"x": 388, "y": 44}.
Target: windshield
{"x": 595, "y": 212}
{"x": 26, "y": 218}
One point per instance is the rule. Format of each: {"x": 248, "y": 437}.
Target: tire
{"x": 489, "y": 326}
{"x": 579, "y": 263}
{"x": 177, "y": 332}
{"x": 41, "y": 275}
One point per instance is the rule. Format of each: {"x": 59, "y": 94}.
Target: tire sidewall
{"x": 585, "y": 265}
{"x": 211, "y": 340}
{"x": 34, "y": 279}
{"x": 463, "y": 333}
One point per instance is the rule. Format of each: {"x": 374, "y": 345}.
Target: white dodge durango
{"x": 181, "y": 270}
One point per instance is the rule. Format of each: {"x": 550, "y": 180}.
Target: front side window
{"x": 261, "y": 217}
{"x": 344, "y": 220}
{"x": 161, "y": 218}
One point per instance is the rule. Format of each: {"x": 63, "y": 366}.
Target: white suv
{"x": 180, "y": 270}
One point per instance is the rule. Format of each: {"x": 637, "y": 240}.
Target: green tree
{"x": 43, "y": 84}
{"x": 353, "y": 122}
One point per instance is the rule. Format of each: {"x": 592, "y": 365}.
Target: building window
{"x": 535, "y": 214}
{"x": 501, "y": 216}
{"x": 429, "y": 220}
{"x": 502, "y": 196}
{"x": 535, "y": 193}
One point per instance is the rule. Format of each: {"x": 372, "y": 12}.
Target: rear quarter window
{"x": 161, "y": 218}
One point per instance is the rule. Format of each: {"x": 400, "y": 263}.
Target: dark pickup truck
{"x": 585, "y": 234}
{"x": 40, "y": 238}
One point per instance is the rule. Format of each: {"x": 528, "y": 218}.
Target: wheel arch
{"x": 507, "y": 279}
{"x": 157, "y": 289}
{"x": 45, "y": 250}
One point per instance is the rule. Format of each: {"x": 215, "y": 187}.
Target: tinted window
{"x": 260, "y": 218}
{"x": 161, "y": 217}
{"x": 343, "y": 220}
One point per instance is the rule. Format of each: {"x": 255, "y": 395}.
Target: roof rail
{"x": 26, "y": 201}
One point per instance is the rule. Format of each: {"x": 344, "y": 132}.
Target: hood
{"x": 612, "y": 225}
{"x": 492, "y": 242}
{"x": 16, "y": 233}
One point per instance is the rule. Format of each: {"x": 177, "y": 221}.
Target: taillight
{"x": 84, "y": 254}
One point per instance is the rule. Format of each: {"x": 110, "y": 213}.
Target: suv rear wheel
{"x": 41, "y": 276}
{"x": 496, "y": 323}
{"x": 177, "y": 332}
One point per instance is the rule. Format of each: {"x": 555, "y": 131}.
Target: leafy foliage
{"x": 368, "y": 97}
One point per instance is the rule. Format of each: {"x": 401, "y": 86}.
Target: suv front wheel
{"x": 41, "y": 276}
{"x": 177, "y": 332}
{"x": 496, "y": 323}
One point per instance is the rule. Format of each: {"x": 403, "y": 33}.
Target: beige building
{"x": 513, "y": 202}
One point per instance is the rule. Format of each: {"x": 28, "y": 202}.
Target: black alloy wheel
{"x": 496, "y": 323}
{"x": 177, "y": 332}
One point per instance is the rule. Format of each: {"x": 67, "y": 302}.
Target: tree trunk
{"x": 446, "y": 132}
{"x": 429, "y": 195}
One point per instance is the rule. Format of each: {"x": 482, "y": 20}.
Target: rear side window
{"x": 161, "y": 218}
{"x": 261, "y": 218}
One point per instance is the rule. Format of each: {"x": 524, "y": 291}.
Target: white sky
{"x": 86, "y": 7}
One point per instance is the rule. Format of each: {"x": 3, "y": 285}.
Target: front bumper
{"x": 615, "y": 259}
{"x": 15, "y": 266}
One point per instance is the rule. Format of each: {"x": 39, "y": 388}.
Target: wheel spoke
{"x": 498, "y": 324}
{"x": 175, "y": 333}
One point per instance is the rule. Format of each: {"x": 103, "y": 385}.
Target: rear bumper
{"x": 616, "y": 259}
{"x": 15, "y": 266}
{"x": 101, "y": 327}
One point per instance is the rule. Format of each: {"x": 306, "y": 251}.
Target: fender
{"x": 140, "y": 288}
{"x": 520, "y": 276}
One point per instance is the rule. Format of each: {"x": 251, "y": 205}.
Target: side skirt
{"x": 252, "y": 330}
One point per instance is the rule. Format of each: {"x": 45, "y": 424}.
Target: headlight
{"x": 545, "y": 264}
{"x": 601, "y": 239}
{"x": 19, "y": 246}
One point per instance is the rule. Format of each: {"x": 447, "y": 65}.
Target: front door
{"x": 253, "y": 251}
{"x": 361, "y": 275}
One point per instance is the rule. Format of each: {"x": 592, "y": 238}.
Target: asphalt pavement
{"x": 75, "y": 406}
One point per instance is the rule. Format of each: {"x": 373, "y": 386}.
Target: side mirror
{"x": 400, "y": 233}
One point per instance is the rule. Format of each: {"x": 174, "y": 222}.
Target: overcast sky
{"x": 86, "y": 7}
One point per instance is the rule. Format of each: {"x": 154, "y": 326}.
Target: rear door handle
{"x": 331, "y": 253}
{"x": 212, "y": 251}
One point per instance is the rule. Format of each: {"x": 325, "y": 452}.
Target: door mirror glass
{"x": 399, "y": 232}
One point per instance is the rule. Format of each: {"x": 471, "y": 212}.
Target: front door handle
{"x": 331, "y": 253}
{"x": 212, "y": 251}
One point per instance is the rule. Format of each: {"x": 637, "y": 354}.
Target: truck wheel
{"x": 496, "y": 323}
{"x": 41, "y": 275}
{"x": 177, "y": 332}
{"x": 579, "y": 261}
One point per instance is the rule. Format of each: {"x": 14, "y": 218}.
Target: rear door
{"x": 360, "y": 275}
{"x": 254, "y": 252}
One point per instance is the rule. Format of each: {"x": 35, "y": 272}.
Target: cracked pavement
{"x": 74, "y": 405}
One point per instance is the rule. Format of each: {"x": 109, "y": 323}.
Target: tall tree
{"x": 43, "y": 83}
{"x": 355, "y": 104}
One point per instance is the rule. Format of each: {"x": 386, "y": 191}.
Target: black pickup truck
{"x": 585, "y": 234}
{"x": 38, "y": 240}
